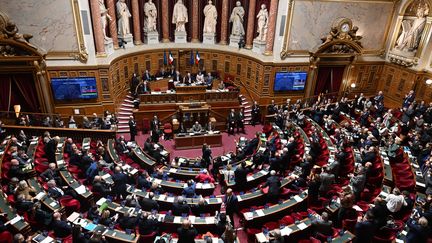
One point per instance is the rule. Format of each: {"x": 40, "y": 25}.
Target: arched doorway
{"x": 329, "y": 79}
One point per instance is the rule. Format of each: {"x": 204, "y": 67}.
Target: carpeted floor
{"x": 228, "y": 145}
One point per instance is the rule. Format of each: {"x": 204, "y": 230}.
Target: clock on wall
{"x": 343, "y": 25}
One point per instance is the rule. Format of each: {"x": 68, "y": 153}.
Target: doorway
{"x": 329, "y": 79}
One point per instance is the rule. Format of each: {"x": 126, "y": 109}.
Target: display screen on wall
{"x": 74, "y": 88}
{"x": 290, "y": 81}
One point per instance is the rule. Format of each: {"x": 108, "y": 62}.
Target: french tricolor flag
{"x": 197, "y": 58}
{"x": 170, "y": 58}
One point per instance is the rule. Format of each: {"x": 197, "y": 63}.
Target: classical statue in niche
{"x": 330, "y": 36}
{"x": 150, "y": 18}
{"x": 236, "y": 19}
{"x": 104, "y": 18}
{"x": 412, "y": 30}
{"x": 262, "y": 19}
{"x": 180, "y": 16}
{"x": 123, "y": 16}
{"x": 210, "y": 19}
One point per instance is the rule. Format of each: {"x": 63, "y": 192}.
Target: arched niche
{"x": 412, "y": 32}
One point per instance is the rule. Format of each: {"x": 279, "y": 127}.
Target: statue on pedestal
{"x": 412, "y": 30}
{"x": 210, "y": 20}
{"x": 123, "y": 16}
{"x": 262, "y": 23}
{"x": 150, "y": 13}
{"x": 236, "y": 18}
{"x": 104, "y": 17}
{"x": 180, "y": 16}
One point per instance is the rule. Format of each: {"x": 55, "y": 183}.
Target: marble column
{"x": 136, "y": 22}
{"x": 165, "y": 21}
{"x": 250, "y": 31}
{"x": 113, "y": 23}
{"x": 97, "y": 27}
{"x": 195, "y": 21}
{"x": 271, "y": 27}
{"x": 224, "y": 23}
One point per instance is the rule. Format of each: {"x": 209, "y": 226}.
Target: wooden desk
{"x": 79, "y": 134}
{"x": 196, "y": 141}
{"x": 198, "y": 89}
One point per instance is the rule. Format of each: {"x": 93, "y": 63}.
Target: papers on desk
{"x": 181, "y": 160}
{"x": 53, "y": 204}
{"x": 40, "y": 195}
{"x": 48, "y": 240}
{"x": 60, "y": 162}
{"x": 248, "y": 215}
{"x": 90, "y": 227}
{"x": 302, "y": 226}
{"x": 158, "y": 181}
{"x": 170, "y": 199}
{"x": 192, "y": 219}
{"x": 261, "y": 237}
{"x": 81, "y": 189}
{"x": 210, "y": 220}
{"x": 101, "y": 201}
{"x": 106, "y": 176}
{"x": 386, "y": 162}
{"x": 162, "y": 197}
{"x": 164, "y": 153}
{"x": 249, "y": 178}
{"x": 73, "y": 217}
{"x": 297, "y": 198}
{"x": 239, "y": 198}
{"x": 383, "y": 194}
{"x": 260, "y": 212}
{"x": 420, "y": 184}
{"x": 286, "y": 231}
{"x": 262, "y": 149}
{"x": 172, "y": 170}
{"x": 177, "y": 220}
{"x": 357, "y": 208}
{"x": 15, "y": 220}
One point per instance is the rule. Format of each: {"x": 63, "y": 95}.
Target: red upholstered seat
{"x": 271, "y": 225}
{"x": 287, "y": 220}
{"x": 6, "y": 237}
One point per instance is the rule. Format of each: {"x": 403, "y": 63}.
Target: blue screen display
{"x": 290, "y": 81}
{"x": 74, "y": 88}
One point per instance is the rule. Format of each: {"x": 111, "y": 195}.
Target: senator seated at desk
{"x": 197, "y": 127}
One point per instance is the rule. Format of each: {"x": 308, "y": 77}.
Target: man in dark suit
{"x": 132, "y": 128}
{"x": 240, "y": 175}
{"x": 50, "y": 149}
{"x": 54, "y": 191}
{"x": 409, "y": 99}
{"x": 206, "y": 155}
{"x": 327, "y": 180}
{"x": 61, "y": 228}
{"x": 120, "y": 179}
{"x": 209, "y": 81}
{"x": 51, "y": 173}
{"x": 231, "y": 121}
{"x": 322, "y": 225}
{"x": 100, "y": 187}
{"x": 128, "y": 221}
{"x": 177, "y": 78}
{"x": 365, "y": 229}
{"x": 186, "y": 233}
{"x": 273, "y": 183}
{"x": 256, "y": 113}
{"x": 148, "y": 204}
{"x": 162, "y": 73}
{"x": 147, "y": 225}
{"x": 196, "y": 127}
{"x": 231, "y": 204}
{"x": 147, "y": 76}
{"x": 23, "y": 205}
{"x": 272, "y": 108}
{"x": 15, "y": 170}
{"x": 240, "y": 119}
{"x": 155, "y": 124}
{"x": 369, "y": 156}
{"x": 180, "y": 207}
{"x": 188, "y": 79}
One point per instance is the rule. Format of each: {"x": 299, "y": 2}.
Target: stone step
{"x": 123, "y": 131}
{"x": 125, "y": 113}
{"x": 128, "y": 105}
{"x": 126, "y": 109}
